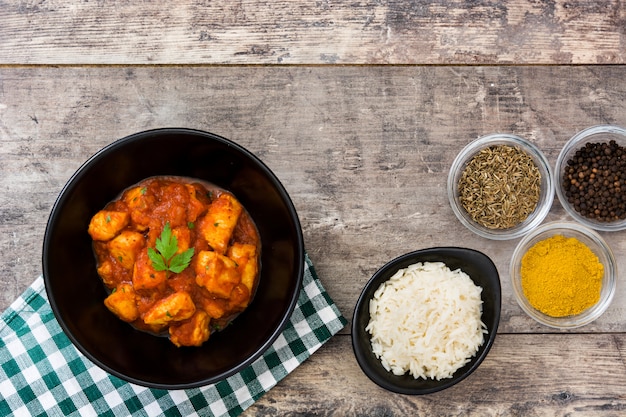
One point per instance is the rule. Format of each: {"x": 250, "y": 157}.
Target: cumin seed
{"x": 500, "y": 187}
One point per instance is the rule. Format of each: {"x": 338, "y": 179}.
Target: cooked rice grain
{"x": 426, "y": 320}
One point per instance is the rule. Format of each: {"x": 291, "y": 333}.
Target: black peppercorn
{"x": 593, "y": 179}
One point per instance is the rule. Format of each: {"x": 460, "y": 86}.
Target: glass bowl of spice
{"x": 563, "y": 275}
{"x": 591, "y": 177}
{"x": 500, "y": 186}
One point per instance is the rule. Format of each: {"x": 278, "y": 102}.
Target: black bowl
{"x": 76, "y": 292}
{"x": 484, "y": 274}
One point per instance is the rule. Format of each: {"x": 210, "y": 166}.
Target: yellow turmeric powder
{"x": 561, "y": 276}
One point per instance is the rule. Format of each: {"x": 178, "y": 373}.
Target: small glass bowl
{"x": 595, "y": 134}
{"x": 546, "y": 195}
{"x": 594, "y": 242}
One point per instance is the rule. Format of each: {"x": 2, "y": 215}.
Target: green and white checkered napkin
{"x": 42, "y": 373}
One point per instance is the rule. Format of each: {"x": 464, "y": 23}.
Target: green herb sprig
{"x": 166, "y": 259}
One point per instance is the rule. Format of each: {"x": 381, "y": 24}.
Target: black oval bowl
{"x": 76, "y": 292}
{"x": 484, "y": 274}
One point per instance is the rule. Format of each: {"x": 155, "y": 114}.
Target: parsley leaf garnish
{"x": 181, "y": 261}
{"x": 166, "y": 259}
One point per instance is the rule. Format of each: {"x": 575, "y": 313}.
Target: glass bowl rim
{"x": 546, "y": 197}
{"x": 609, "y": 280}
{"x": 573, "y": 144}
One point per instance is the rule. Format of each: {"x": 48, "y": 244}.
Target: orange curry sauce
{"x": 222, "y": 275}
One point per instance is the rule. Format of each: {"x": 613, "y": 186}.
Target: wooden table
{"x": 359, "y": 108}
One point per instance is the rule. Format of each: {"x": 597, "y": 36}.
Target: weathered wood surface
{"x": 364, "y": 153}
{"x": 523, "y": 376}
{"x": 314, "y": 32}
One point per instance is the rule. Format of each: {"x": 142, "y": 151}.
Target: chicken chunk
{"x": 125, "y": 247}
{"x": 217, "y": 273}
{"x": 176, "y": 307}
{"x": 105, "y": 270}
{"x": 138, "y": 198}
{"x": 144, "y": 275}
{"x": 245, "y": 256}
{"x": 183, "y": 237}
{"x": 105, "y": 225}
{"x": 122, "y": 303}
{"x": 172, "y": 204}
{"x": 195, "y": 207}
{"x": 215, "y": 307}
{"x": 140, "y": 201}
{"x": 219, "y": 222}
{"x": 192, "y": 332}
{"x": 239, "y": 298}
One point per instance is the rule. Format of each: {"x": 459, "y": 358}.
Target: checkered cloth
{"x": 42, "y": 373}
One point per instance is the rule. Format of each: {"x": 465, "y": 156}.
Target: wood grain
{"x": 321, "y": 32}
{"x": 523, "y": 375}
{"x": 363, "y": 151}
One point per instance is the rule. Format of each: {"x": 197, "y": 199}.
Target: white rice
{"x": 426, "y": 320}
